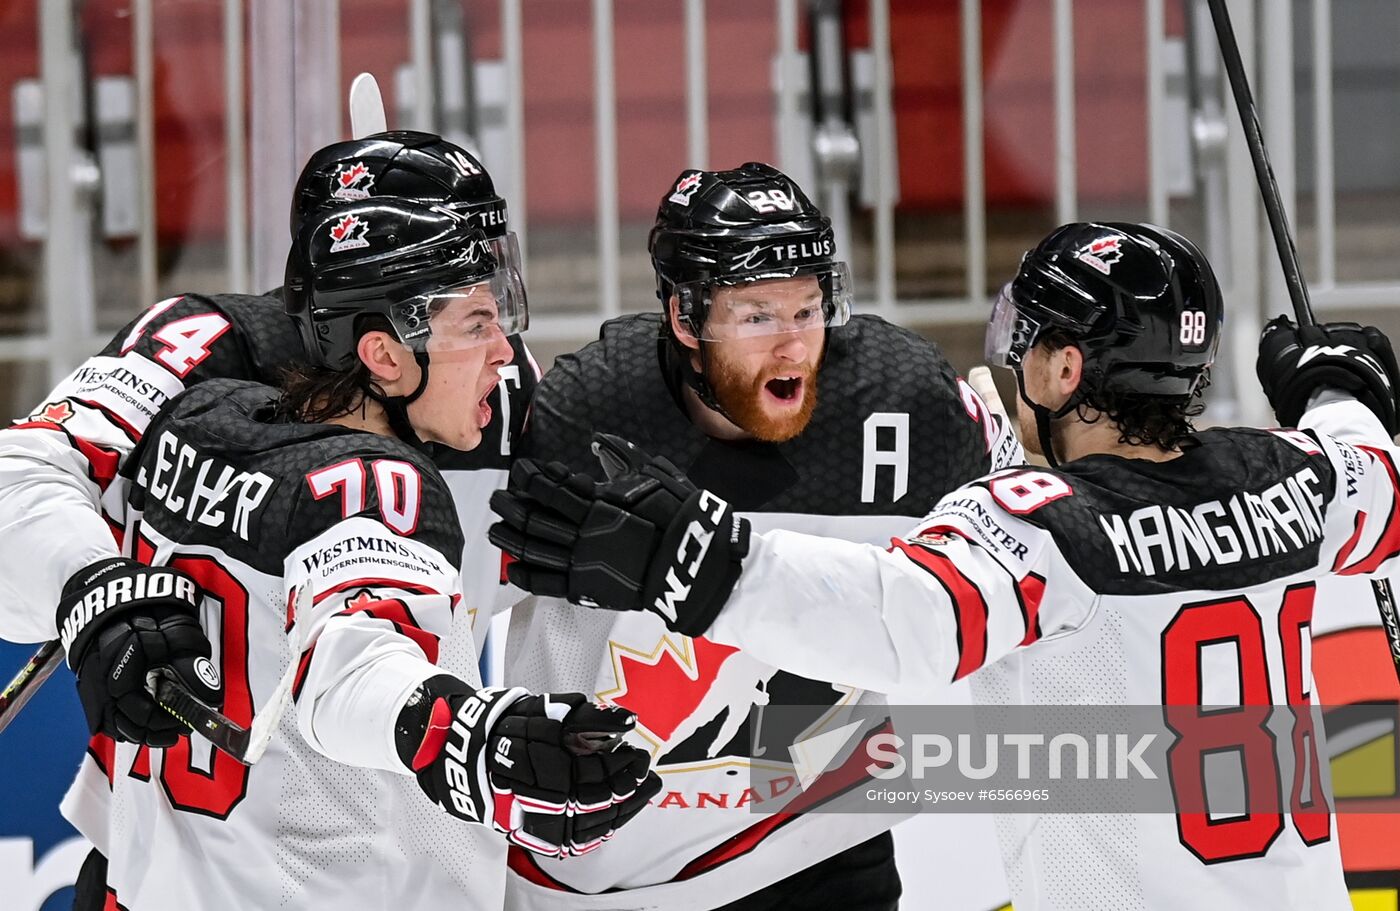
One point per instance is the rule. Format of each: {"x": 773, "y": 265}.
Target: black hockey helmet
{"x": 749, "y": 224}
{"x": 1141, "y": 302}
{"x": 399, "y": 259}
{"x": 419, "y": 166}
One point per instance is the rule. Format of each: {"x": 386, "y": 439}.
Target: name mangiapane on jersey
{"x": 181, "y": 481}
{"x": 1285, "y": 517}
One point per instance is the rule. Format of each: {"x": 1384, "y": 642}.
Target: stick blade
{"x": 980, "y": 379}
{"x": 366, "y": 107}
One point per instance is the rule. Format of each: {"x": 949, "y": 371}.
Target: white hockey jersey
{"x": 325, "y": 553}
{"x": 63, "y": 493}
{"x": 1113, "y": 582}
{"x": 894, "y": 429}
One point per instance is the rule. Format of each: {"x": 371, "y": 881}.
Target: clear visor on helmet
{"x": 506, "y": 249}
{"x": 461, "y": 318}
{"x": 1010, "y": 333}
{"x": 798, "y": 300}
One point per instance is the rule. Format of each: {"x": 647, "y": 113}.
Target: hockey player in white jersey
{"x": 329, "y": 550}
{"x": 1099, "y": 581}
{"x": 756, "y": 378}
{"x": 62, "y": 490}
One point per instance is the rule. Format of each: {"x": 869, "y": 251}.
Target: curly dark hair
{"x": 312, "y": 393}
{"x": 1142, "y": 420}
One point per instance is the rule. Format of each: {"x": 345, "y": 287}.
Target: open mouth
{"x": 483, "y": 406}
{"x": 786, "y": 389}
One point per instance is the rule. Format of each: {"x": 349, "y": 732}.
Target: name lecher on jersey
{"x": 1243, "y": 526}
{"x": 196, "y": 486}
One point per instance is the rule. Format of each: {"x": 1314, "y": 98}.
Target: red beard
{"x": 743, "y": 399}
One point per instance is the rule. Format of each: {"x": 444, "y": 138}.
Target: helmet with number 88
{"x": 1141, "y": 303}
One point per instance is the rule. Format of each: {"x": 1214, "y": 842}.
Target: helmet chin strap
{"x": 1043, "y": 417}
{"x": 396, "y": 406}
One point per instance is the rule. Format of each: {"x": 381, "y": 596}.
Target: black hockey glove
{"x": 548, "y": 771}
{"x": 119, "y": 620}
{"x": 645, "y": 539}
{"x": 1294, "y": 362}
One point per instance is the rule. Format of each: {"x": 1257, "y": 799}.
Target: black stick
{"x": 1263, "y": 171}
{"x": 26, "y": 683}
{"x": 1287, "y": 253}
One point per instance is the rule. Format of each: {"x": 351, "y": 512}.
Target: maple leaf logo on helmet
{"x": 349, "y": 234}
{"x": 685, "y": 188}
{"x": 352, "y": 181}
{"x": 1102, "y": 253}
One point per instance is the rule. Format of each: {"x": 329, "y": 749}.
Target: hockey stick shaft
{"x": 226, "y": 734}
{"x": 26, "y": 683}
{"x": 1263, "y": 170}
{"x": 1287, "y": 252}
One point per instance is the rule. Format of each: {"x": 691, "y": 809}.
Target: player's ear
{"x": 1067, "y": 370}
{"x": 678, "y": 325}
{"x": 386, "y": 358}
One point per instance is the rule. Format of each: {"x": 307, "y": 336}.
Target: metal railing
{"x": 256, "y": 228}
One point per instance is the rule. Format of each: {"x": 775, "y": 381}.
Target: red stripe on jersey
{"x": 397, "y": 613}
{"x": 111, "y": 903}
{"x": 112, "y": 416}
{"x": 969, "y": 606}
{"x": 506, "y": 560}
{"x": 832, "y": 784}
{"x": 102, "y": 462}
{"x": 524, "y": 865}
{"x": 1031, "y": 589}
{"x": 303, "y": 666}
{"x": 415, "y": 587}
{"x": 291, "y": 610}
{"x": 103, "y": 750}
{"x": 1388, "y": 545}
{"x": 141, "y": 765}
{"x": 1345, "y": 553}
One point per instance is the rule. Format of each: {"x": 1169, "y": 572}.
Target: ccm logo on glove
{"x": 697, "y": 534}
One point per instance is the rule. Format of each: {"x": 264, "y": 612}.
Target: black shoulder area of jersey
{"x": 257, "y": 341}
{"x": 890, "y": 434}
{"x": 220, "y": 469}
{"x": 510, "y": 404}
{"x": 1240, "y": 507}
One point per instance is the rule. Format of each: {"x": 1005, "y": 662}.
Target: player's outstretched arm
{"x": 932, "y": 608}
{"x": 1338, "y": 382}
{"x": 371, "y": 598}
